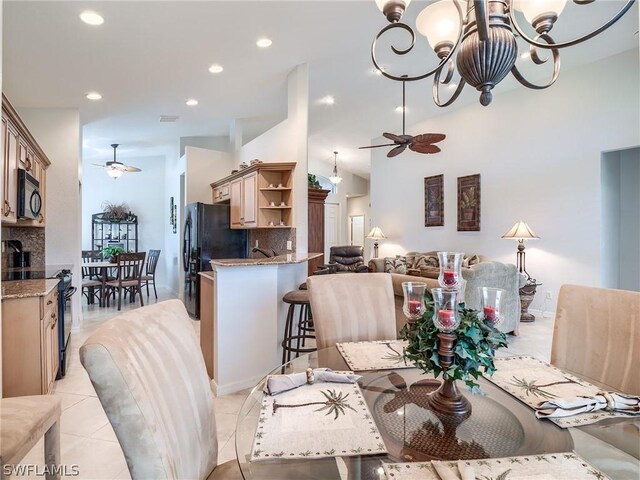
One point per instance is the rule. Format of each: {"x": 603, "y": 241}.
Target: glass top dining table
{"x": 499, "y": 426}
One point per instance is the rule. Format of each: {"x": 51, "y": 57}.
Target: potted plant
{"x": 312, "y": 181}
{"x": 111, "y": 253}
{"x": 468, "y": 203}
{"x": 115, "y": 212}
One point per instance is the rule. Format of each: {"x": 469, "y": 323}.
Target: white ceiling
{"x": 149, "y": 57}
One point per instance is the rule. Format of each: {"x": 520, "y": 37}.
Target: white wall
{"x": 629, "y": 271}
{"x": 58, "y": 132}
{"x": 203, "y": 167}
{"x": 142, "y": 191}
{"x": 610, "y": 220}
{"x": 360, "y": 206}
{"x": 538, "y": 153}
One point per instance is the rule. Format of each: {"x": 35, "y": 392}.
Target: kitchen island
{"x": 242, "y": 316}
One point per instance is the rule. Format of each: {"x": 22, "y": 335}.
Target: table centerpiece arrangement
{"x": 444, "y": 337}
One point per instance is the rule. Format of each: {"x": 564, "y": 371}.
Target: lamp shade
{"x": 376, "y": 232}
{"x": 520, "y": 231}
{"x": 439, "y": 22}
{"x": 534, "y": 8}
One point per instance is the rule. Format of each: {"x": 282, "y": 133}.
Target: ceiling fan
{"x": 115, "y": 168}
{"x": 423, "y": 143}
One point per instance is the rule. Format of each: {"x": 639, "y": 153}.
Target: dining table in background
{"x": 104, "y": 267}
{"x": 499, "y": 426}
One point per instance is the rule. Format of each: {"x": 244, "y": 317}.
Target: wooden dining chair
{"x": 149, "y": 374}
{"x": 597, "y": 335}
{"x": 150, "y": 274}
{"x": 91, "y": 282}
{"x": 130, "y": 267}
{"x": 352, "y": 307}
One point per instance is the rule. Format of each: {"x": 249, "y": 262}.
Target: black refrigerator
{"x": 207, "y": 235}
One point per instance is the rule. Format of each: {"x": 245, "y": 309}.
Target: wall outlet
{"x": 549, "y": 295}
{"x": 256, "y": 243}
{"x": 289, "y": 245}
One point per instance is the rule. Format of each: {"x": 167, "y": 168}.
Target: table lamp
{"x": 521, "y": 232}
{"x": 376, "y": 234}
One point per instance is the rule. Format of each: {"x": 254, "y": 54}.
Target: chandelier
{"x": 482, "y": 34}
{"x": 335, "y": 179}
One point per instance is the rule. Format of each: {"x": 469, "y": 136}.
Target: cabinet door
{"x": 250, "y": 199}
{"x": 216, "y": 194}
{"x": 224, "y": 192}
{"x": 236, "y": 203}
{"x": 55, "y": 356}
{"x": 45, "y": 358}
{"x": 10, "y": 175}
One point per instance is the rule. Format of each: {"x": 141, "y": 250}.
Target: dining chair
{"x": 352, "y": 307}
{"x": 150, "y": 274}
{"x": 147, "y": 369}
{"x": 597, "y": 335}
{"x": 91, "y": 282}
{"x": 129, "y": 276}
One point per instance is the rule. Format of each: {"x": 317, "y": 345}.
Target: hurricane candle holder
{"x": 491, "y": 303}
{"x": 413, "y": 306}
{"x": 447, "y": 400}
{"x": 450, "y": 276}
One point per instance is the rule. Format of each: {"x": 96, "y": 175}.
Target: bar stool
{"x": 297, "y": 298}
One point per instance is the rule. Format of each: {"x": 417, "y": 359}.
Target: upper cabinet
{"x": 260, "y": 196}
{"x": 20, "y": 151}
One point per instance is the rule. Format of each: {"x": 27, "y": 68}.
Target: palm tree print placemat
{"x": 533, "y": 381}
{"x": 316, "y": 421}
{"x": 377, "y": 355}
{"x": 560, "y": 466}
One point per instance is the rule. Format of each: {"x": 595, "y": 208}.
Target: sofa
{"x": 480, "y": 272}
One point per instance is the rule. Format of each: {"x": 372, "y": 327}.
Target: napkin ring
{"x": 310, "y": 377}
{"x": 611, "y": 403}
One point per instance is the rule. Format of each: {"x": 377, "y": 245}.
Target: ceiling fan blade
{"x": 396, "y": 151}
{"x": 424, "y": 148}
{"x": 429, "y": 138}
{"x": 129, "y": 169}
{"x": 99, "y": 166}
{"x": 376, "y": 146}
{"x": 393, "y": 137}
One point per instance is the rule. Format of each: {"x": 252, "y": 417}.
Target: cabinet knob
{"x": 7, "y": 208}
{"x": 40, "y": 218}
{"x": 49, "y": 302}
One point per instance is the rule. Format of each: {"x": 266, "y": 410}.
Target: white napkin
{"x": 565, "y": 407}
{"x": 282, "y": 383}
{"x": 447, "y": 473}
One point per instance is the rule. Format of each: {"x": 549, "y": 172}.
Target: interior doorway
{"x": 356, "y": 230}
{"x": 620, "y": 220}
{"x": 331, "y": 227}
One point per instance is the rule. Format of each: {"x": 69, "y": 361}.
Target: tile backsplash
{"x": 272, "y": 238}
{"x": 32, "y": 239}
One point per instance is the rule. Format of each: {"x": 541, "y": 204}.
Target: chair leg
{"x": 139, "y": 288}
{"x": 287, "y": 334}
{"x": 154, "y": 288}
{"x": 147, "y": 285}
{"x": 119, "y": 298}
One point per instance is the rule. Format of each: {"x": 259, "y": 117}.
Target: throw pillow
{"x": 395, "y": 265}
{"x": 470, "y": 261}
{"x": 423, "y": 261}
{"x": 430, "y": 272}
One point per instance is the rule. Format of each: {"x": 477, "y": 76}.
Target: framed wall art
{"x": 469, "y": 203}
{"x": 434, "y": 201}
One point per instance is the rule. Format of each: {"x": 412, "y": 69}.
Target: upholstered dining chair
{"x": 148, "y": 371}
{"x": 597, "y": 335}
{"x": 130, "y": 269}
{"x": 91, "y": 282}
{"x": 150, "y": 275}
{"x": 352, "y": 307}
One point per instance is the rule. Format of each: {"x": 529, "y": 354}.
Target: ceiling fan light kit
{"x": 482, "y": 36}
{"x": 114, "y": 168}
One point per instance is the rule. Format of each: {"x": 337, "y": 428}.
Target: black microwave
{"x": 29, "y": 199}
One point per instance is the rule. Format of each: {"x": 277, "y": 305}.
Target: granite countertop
{"x": 279, "y": 260}
{"x": 28, "y": 288}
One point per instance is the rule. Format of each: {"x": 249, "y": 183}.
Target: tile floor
{"x": 87, "y": 439}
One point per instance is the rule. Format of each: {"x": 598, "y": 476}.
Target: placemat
{"x": 316, "y": 421}
{"x": 377, "y": 355}
{"x": 557, "y": 466}
{"x": 533, "y": 381}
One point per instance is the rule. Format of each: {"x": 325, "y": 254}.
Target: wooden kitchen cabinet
{"x": 30, "y": 345}
{"x": 20, "y": 151}
{"x": 260, "y": 196}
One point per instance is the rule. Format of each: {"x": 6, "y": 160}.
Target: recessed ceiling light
{"x": 91, "y": 18}
{"x": 328, "y": 100}
{"x": 264, "y": 42}
{"x": 215, "y": 68}
{"x": 192, "y": 102}
{"x": 399, "y": 109}
{"x": 93, "y": 96}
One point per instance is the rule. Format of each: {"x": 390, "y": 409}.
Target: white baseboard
{"x": 233, "y": 387}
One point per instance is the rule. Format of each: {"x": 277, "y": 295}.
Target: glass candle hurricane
{"x": 413, "y": 306}
{"x": 450, "y": 276}
{"x": 491, "y": 302}
{"x": 445, "y": 309}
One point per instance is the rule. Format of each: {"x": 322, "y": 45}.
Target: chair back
{"x": 597, "y": 335}
{"x": 152, "y": 261}
{"x": 90, "y": 256}
{"x": 352, "y": 307}
{"x": 130, "y": 266}
{"x": 148, "y": 372}
{"x": 347, "y": 257}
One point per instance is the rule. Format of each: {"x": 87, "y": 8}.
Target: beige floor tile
{"x": 69, "y": 399}
{"x": 106, "y": 433}
{"x": 227, "y": 451}
{"x": 96, "y": 459}
{"x": 230, "y": 403}
{"x": 76, "y": 381}
{"x": 226, "y": 426}
{"x": 84, "y": 418}
{"x": 123, "y": 475}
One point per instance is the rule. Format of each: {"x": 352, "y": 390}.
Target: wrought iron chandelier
{"x": 482, "y": 34}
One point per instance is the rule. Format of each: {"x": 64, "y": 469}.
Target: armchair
{"x": 348, "y": 258}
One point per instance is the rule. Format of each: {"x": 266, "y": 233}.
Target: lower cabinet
{"x": 30, "y": 353}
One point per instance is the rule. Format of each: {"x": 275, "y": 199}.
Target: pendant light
{"x": 335, "y": 178}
